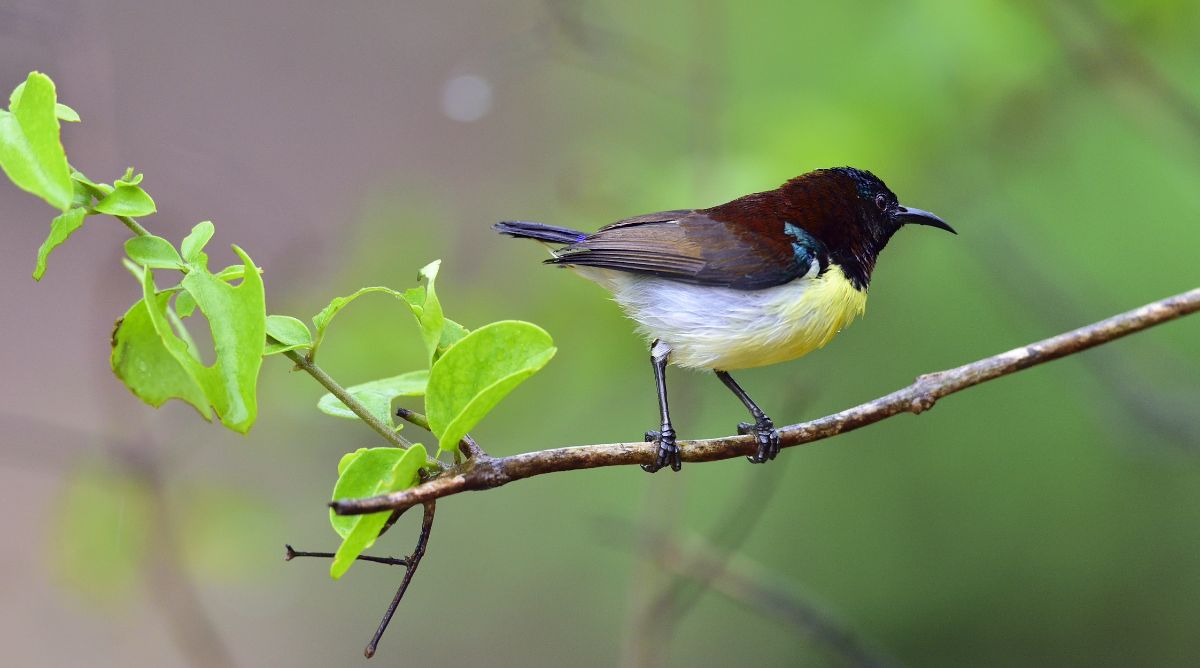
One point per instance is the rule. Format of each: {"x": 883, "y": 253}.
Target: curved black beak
{"x": 908, "y": 215}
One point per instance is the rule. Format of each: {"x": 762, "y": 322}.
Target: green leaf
{"x": 129, "y": 178}
{"x": 97, "y": 190}
{"x": 61, "y": 229}
{"x": 31, "y": 153}
{"x": 101, "y": 532}
{"x": 65, "y": 113}
{"x": 142, "y": 361}
{"x": 237, "y": 320}
{"x": 185, "y": 304}
{"x": 126, "y": 200}
{"x": 377, "y": 395}
{"x": 194, "y": 243}
{"x": 286, "y": 333}
{"x": 452, "y": 333}
{"x": 154, "y": 252}
{"x": 369, "y": 473}
{"x": 321, "y": 320}
{"x": 427, "y": 309}
{"x": 478, "y": 371}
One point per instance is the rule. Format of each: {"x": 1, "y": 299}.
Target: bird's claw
{"x": 767, "y": 437}
{"x": 666, "y": 452}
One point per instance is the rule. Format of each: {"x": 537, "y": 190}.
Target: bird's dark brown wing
{"x": 693, "y": 247}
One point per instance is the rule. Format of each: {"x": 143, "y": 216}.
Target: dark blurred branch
{"x": 1114, "y": 55}
{"x": 193, "y": 629}
{"x": 751, "y": 586}
{"x": 487, "y": 472}
{"x": 655, "y": 622}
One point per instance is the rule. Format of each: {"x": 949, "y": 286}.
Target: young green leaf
{"x": 31, "y": 153}
{"x": 237, "y": 320}
{"x": 129, "y": 178}
{"x": 377, "y": 395}
{"x": 285, "y": 333}
{"x": 427, "y": 309}
{"x": 194, "y": 243}
{"x": 478, "y": 371}
{"x": 368, "y": 473}
{"x": 153, "y": 252}
{"x": 97, "y": 190}
{"x": 321, "y": 320}
{"x": 61, "y": 229}
{"x": 65, "y": 113}
{"x": 142, "y": 361}
{"x": 126, "y": 200}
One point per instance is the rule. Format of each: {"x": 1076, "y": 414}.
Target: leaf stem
{"x": 133, "y": 226}
{"x": 468, "y": 445}
{"x": 355, "y": 407}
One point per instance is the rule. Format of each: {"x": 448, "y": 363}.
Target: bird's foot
{"x": 666, "y": 452}
{"x": 767, "y": 437}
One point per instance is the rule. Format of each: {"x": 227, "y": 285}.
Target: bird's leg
{"x": 763, "y": 428}
{"x": 666, "y": 452}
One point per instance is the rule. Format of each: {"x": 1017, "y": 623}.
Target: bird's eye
{"x": 881, "y": 201}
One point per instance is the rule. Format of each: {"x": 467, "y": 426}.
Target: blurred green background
{"x": 1050, "y": 518}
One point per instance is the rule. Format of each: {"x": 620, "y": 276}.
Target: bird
{"x": 761, "y": 279}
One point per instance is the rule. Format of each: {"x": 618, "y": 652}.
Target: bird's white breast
{"x": 722, "y": 328}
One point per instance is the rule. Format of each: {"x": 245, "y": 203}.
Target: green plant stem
{"x": 355, "y": 407}
{"x": 133, "y": 226}
{"x": 468, "y": 445}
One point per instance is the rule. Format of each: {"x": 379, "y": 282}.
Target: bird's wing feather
{"x": 693, "y": 247}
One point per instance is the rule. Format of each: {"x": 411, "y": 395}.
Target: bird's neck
{"x": 856, "y": 254}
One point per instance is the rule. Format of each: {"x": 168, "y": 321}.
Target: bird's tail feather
{"x": 526, "y": 230}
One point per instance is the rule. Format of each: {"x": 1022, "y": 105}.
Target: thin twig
{"x": 355, "y": 407}
{"x": 916, "y": 398}
{"x": 390, "y": 561}
{"x": 414, "y": 560}
{"x": 468, "y": 445}
{"x": 410, "y": 564}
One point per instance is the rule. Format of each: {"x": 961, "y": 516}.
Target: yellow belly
{"x": 797, "y": 324}
{"x": 722, "y": 328}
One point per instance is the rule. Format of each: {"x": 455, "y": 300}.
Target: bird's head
{"x": 853, "y": 213}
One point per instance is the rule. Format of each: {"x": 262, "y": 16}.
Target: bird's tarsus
{"x": 666, "y": 451}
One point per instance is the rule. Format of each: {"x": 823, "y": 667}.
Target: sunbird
{"x": 762, "y": 279}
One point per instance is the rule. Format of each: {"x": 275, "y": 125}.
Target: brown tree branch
{"x": 487, "y": 472}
